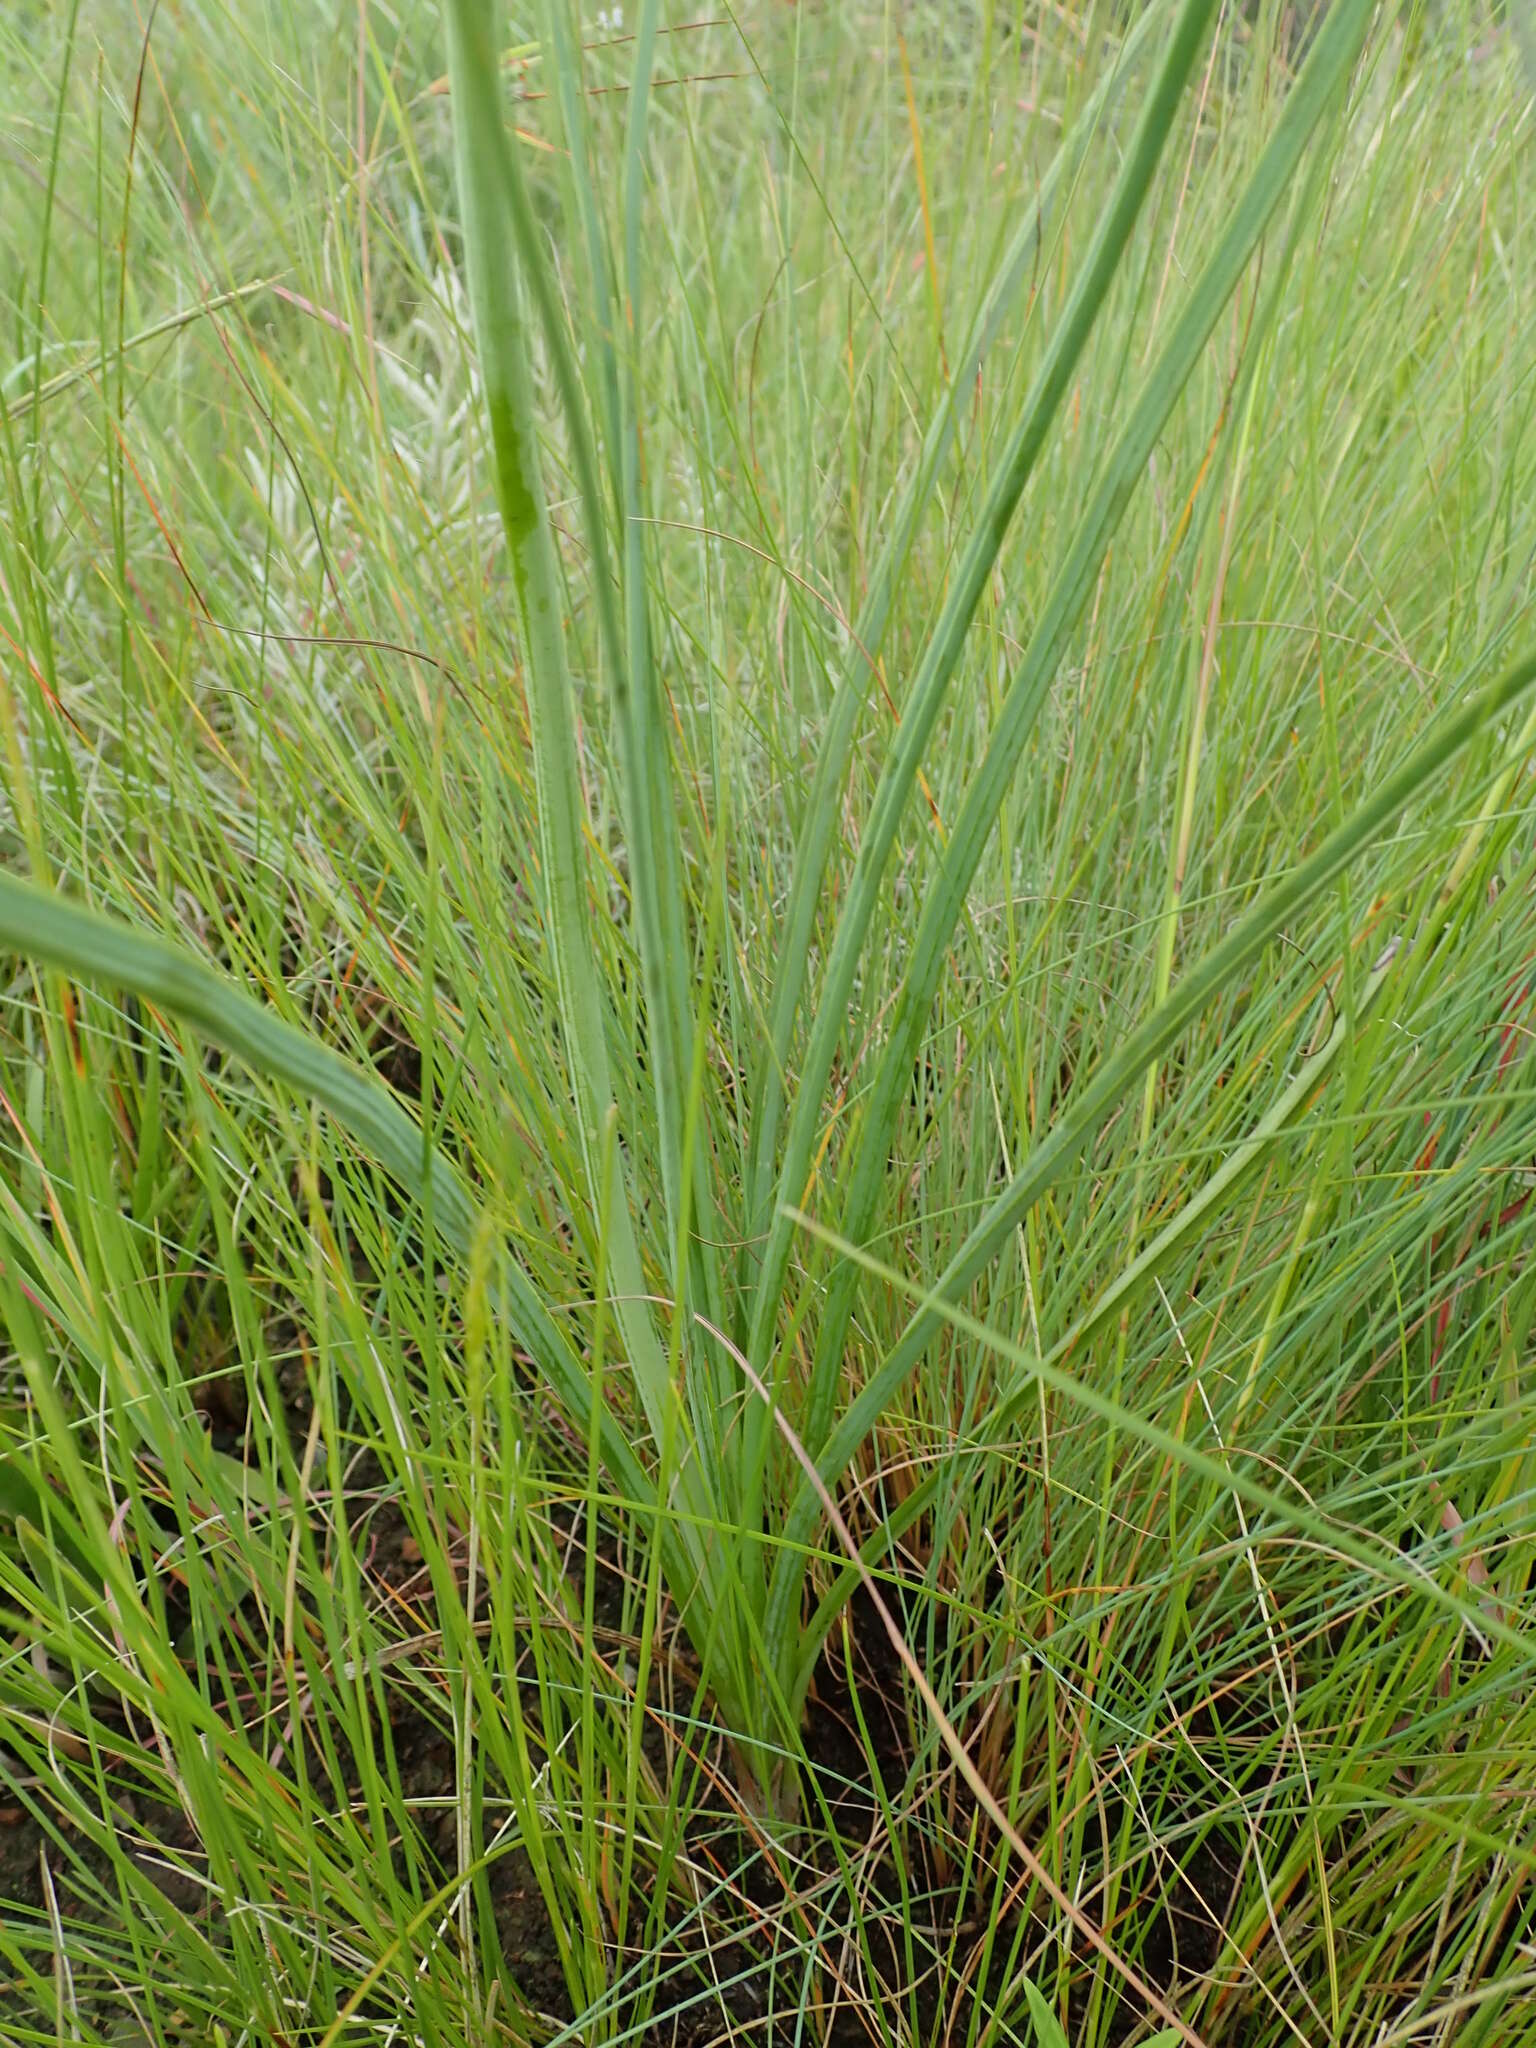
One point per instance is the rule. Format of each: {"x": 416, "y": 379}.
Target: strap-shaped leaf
{"x": 494, "y": 201}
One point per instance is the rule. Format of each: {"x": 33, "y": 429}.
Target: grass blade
{"x": 489, "y": 178}
{"x": 651, "y": 816}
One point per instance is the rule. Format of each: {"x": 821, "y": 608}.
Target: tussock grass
{"x": 830, "y": 702}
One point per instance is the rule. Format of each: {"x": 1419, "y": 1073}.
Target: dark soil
{"x": 859, "y": 1741}
{"x": 1179, "y": 1937}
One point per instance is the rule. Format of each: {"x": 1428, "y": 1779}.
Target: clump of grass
{"x": 944, "y": 916}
